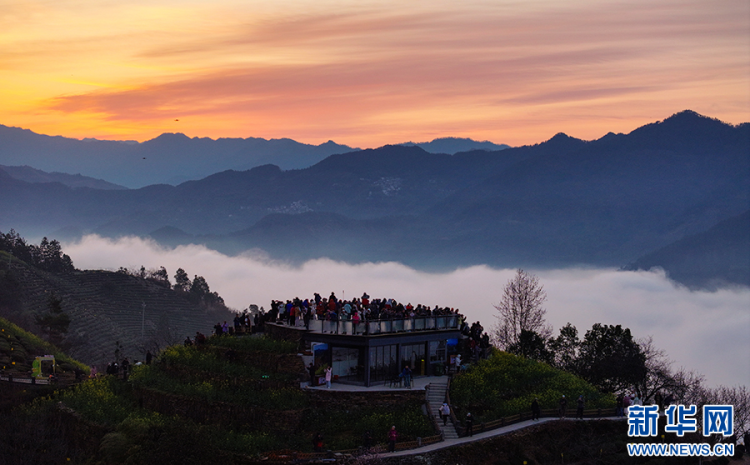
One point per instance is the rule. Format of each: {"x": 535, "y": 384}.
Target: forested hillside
{"x": 130, "y": 312}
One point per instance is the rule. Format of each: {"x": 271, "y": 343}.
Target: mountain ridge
{"x": 562, "y": 202}
{"x": 172, "y": 157}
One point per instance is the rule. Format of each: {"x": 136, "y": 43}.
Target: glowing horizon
{"x": 369, "y": 73}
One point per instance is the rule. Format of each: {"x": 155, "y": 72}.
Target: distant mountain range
{"x": 167, "y": 159}
{"x": 563, "y": 202}
{"x": 173, "y": 158}
{"x": 453, "y": 145}
{"x": 711, "y": 259}
{"x": 29, "y": 174}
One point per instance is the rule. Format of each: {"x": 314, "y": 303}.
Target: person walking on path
{"x": 317, "y": 442}
{"x": 627, "y": 401}
{"x": 563, "y": 406}
{"x": 445, "y": 412}
{"x": 392, "y": 437}
{"x": 535, "y": 411}
{"x": 469, "y": 424}
{"x": 328, "y": 377}
{"x": 579, "y": 407}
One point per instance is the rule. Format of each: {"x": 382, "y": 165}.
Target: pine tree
{"x": 55, "y": 322}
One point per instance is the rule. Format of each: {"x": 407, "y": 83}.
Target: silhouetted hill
{"x": 105, "y": 307}
{"x": 711, "y": 259}
{"x": 167, "y": 159}
{"x": 562, "y": 202}
{"x": 453, "y": 145}
{"x": 607, "y": 199}
{"x": 29, "y": 174}
{"x": 19, "y": 348}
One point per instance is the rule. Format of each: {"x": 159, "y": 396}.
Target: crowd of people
{"x": 625, "y": 400}
{"x": 122, "y": 369}
{"x": 479, "y": 341}
{"x": 622, "y": 403}
{"x": 299, "y": 312}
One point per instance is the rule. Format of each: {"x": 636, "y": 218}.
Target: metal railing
{"x": 24, "y": 379}
{"x": 372, "y": 327}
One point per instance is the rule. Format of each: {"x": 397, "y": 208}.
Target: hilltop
{"x": 108, "y": 311}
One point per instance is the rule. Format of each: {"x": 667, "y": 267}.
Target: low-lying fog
{"x": 708, "y": 332}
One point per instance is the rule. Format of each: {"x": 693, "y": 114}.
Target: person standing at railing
{"x": 579, "y": 408}
{"x": 306, "y": 317}
{"x": 328, "y": 377}
{"x": 355, "y": 321}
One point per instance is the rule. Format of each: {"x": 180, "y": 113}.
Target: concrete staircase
{"x": 435, "y": 399}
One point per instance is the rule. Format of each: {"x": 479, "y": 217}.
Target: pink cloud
{"x": 351, "y": 72}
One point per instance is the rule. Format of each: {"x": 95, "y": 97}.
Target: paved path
{"x": 421, "y": 383}
{"x": 484, "y": 435}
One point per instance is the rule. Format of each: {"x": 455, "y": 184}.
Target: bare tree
{"x": 737, "y": 396}
{"x": 686, "y": 386}
{"x": 521, "y": 309}
{"x": 659, "y": 376}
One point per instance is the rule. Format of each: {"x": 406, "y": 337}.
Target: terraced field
{"x": 107, "y": 308}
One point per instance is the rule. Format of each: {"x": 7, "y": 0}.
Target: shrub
{"x": 409, "y": 421}
{"x": 217, "y": 390}
{"x": 506, "y": 384}
{"x": 253, "y": 344}
{"x": 103, "y": 400}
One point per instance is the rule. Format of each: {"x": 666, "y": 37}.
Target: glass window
{"x": 346, "y": 363}
{"x": 383, "y": 364}
{"x": 413, "y": 355}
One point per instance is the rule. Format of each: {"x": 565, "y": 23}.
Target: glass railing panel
{"x": 440, "y": 322}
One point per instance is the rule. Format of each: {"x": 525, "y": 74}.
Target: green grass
{"x": 217, "y": 390}
{"x": 211, "y": 365}
{"x": 22, "y": 346}
{"x": 408, "y": 420}
{"x": 253, "y": 344}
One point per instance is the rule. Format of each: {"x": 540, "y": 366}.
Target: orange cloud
{"x": 370, "y": 75}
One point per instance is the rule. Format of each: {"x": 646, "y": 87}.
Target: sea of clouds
{"x": 708, "y": 332}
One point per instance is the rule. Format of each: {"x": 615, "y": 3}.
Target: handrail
{"x": 24, "y": 380}
{"x": 386, "y": 326}
{"x": 523, "y": 416}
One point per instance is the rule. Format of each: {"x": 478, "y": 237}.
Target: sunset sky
{"x": 369, "y": 73}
